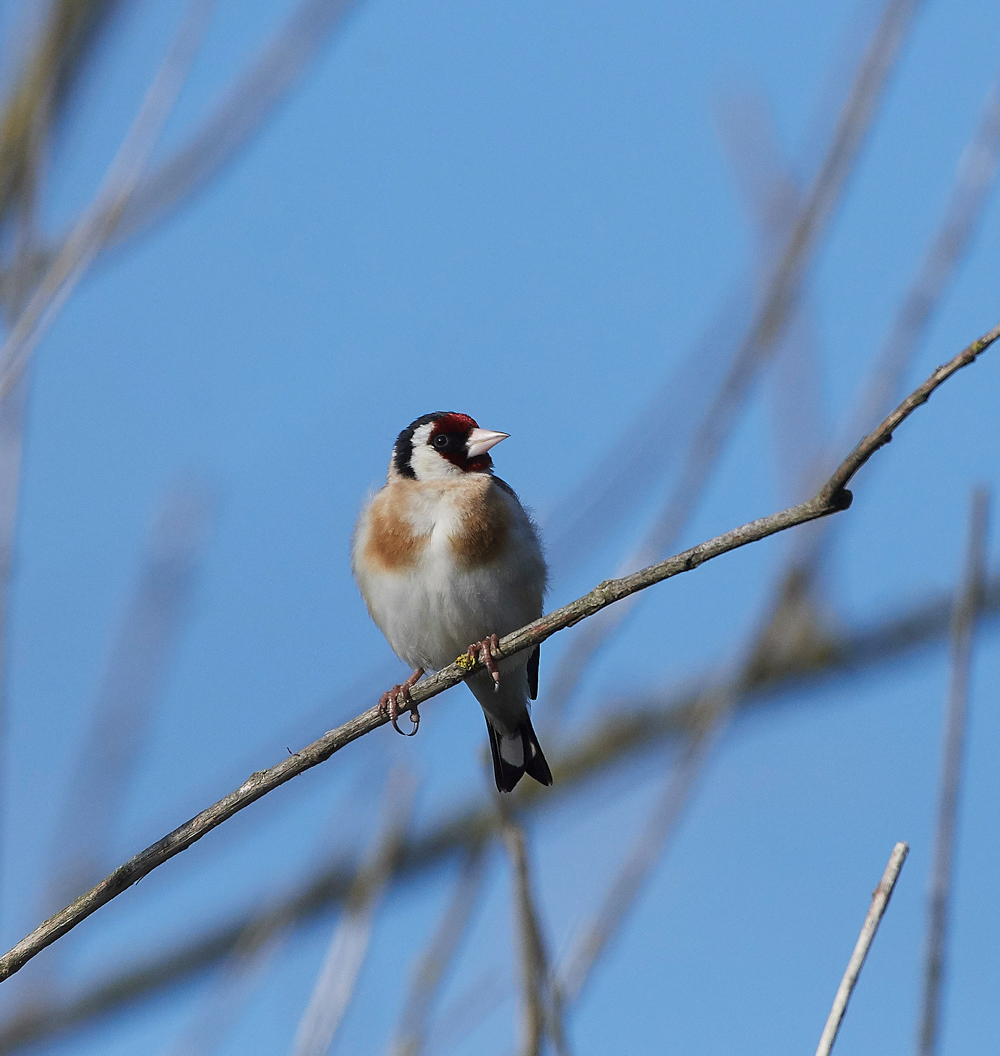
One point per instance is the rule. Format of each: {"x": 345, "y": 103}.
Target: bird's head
{"x": 443, "y": 444}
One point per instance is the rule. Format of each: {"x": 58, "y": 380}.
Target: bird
{"x": 448, "y": 561}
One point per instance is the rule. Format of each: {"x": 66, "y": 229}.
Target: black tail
{"x": 516, "y": 754}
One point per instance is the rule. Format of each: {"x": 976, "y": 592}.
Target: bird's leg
{"x": 391, "y": 701}
{"x": 483, "y": 651}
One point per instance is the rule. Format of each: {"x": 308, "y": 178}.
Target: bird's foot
{"x": 398, "y": 697}
{"x": 484, "y": 652}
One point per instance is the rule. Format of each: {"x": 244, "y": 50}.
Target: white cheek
{"x": 427, "y": 464}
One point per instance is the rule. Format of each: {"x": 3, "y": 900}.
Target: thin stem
{"x": 967, "y": 607}
{"x": 880, "y": 900}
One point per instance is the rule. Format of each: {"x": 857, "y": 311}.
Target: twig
{"x": 538, "y": 1013}
{"x": 831, "y": 498}
{"x": 880, "y": 900}
{"x": 631, "y": 725}
{"x": 963, "y": 629}
{"x": 63, "y": 45}
{"x": 975, "y": 176}
{"x": 338, "y": 976}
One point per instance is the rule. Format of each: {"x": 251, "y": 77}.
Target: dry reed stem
{"x": 880, "y": 900}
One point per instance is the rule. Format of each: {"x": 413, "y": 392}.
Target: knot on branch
{"x": 841, "y": 500}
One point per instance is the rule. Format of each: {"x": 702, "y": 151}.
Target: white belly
{"x": 430, "y": 611}
{"x": 430, "y": 614}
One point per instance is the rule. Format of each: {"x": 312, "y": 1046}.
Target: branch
{"x": 880, "y": 900}
{"x": 831, "y": 498}
{"x": 964, "y": 621}
{"x": 534, "y": 963}
{"x": 635, "y": 724}
{"x": 72, "y": 28}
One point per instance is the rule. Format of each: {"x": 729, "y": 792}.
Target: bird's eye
{"x": 441, "y": 441}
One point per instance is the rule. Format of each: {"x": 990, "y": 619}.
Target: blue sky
{"x": 522, "y": 212}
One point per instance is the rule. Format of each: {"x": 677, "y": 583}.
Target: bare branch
{"x": 534, "y": 963}
{"x": 778, "y": 301}
{"x": 880, "y": 900}
{"x": 967, "y": 608}
{"x": 975, "y": 176}
{"x": 631, "y": 726}
{"x": 831, "y": 498}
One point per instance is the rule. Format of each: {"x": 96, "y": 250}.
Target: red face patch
{"x": 449, "y": 437}
{"x": 454, "y": 423}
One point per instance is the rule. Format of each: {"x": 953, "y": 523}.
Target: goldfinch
{"x": 444, "y": 555}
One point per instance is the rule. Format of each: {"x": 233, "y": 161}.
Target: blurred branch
{"x": 348, "y": 948}
{"x": 430, "y": 969}
{"x": 880, "y": 900}
{"x": 593, "y": 938}
{"x": 975, "y": 176}
{"x": 223, "y": 1003}
{"x": 134, "y": 677}
{"x": 967, "y": 608}
{"x": 755, "y": 345}
{"x": 831, "y": 498}
{"x": 777, "y": 304}
{"x": 41, "y": 91}
{"x": 638, "y": 724}
{"x": 539, "y": 1016}
{"x": 244, "y": 108}
{"x": 97, "y": 222}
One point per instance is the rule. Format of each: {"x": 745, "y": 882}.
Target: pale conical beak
{"x": 481, "y": 440}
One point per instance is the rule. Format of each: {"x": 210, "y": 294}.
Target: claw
{"x": 484, "y": 652}
{"x": 398, "y": 697}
